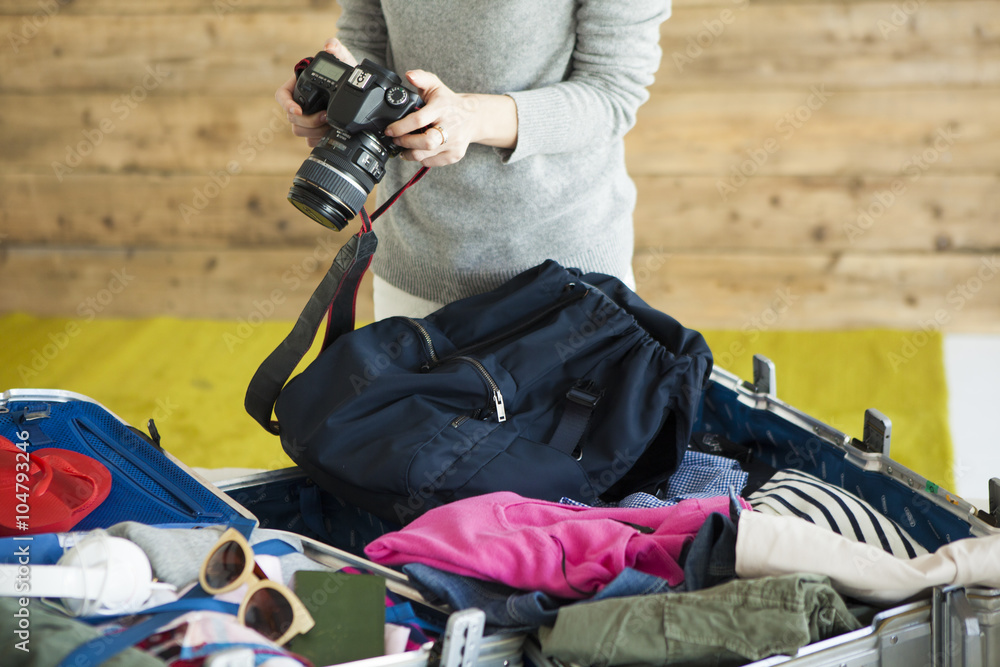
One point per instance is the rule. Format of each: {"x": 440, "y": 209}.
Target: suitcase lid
{"x": 148, "y": 484}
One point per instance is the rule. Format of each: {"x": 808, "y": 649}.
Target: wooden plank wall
{"x": 811, "y": 164}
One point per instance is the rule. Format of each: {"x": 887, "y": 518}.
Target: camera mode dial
{"x": 396, "y": 96}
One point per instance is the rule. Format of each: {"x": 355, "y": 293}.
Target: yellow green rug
{"x": 190, "y": 377}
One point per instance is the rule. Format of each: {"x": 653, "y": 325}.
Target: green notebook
{"x": 349, "y": 610}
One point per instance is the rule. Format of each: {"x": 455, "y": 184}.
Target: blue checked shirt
{"x": 698, "y": 476}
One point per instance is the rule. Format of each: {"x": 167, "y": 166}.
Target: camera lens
{"x": 322, "y": 193}
{"x": 335, "y": 180}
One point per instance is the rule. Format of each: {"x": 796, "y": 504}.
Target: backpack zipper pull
{"x": 498, "y": 402}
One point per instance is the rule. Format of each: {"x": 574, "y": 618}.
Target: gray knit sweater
{"x": 577, "y": 71}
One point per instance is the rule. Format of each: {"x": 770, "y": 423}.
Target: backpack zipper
{"x": 490, "y": 383}
{"x": 428, "y": 343}
{"x": 462, "y": 355}
{"x": 576, "y": 296}
{"x": 493, "y": 387}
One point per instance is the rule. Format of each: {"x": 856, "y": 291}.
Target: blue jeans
{"x": 710, "y": 559}
{"x": 510, "y": 609}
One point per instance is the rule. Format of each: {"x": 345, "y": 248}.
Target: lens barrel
{"x": 335, "y": 180}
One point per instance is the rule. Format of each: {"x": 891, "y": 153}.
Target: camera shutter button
{"x": 396, "y": 96}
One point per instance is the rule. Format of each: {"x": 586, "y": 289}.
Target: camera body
{"x": 333, "y": 183}
{"x": 367, "y": 97}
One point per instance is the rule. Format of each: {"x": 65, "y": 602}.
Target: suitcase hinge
{"x": 994, "y": 499}
{"x": 462, "y": 637}
{"x": 30, "y": 415}
{"x": 955, "y": 632}
{"x": 877, "y": 433}
{"x": 764, "y": 376}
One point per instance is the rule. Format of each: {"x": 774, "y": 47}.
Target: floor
{"x": 972, "y": 364}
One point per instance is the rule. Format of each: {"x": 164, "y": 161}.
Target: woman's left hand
{"x": 453, "y": 121}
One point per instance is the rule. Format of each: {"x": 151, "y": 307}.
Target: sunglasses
{"x": 270, "y": 608}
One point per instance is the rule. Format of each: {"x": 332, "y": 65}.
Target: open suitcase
{"x": 335, "y": 533}
{"x": 957, "y": 627}
{"x": 148, "y": 484}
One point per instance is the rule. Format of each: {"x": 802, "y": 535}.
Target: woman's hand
{"x": 313, "y": 127}
{"x": 453, "y": 121}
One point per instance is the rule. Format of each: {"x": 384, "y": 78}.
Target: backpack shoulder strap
{"x": 335, "y": 296}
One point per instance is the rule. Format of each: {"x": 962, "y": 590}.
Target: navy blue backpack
{"x": 555, "y": 384}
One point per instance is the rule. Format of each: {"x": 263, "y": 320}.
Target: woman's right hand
{"x": 313, "y": 127}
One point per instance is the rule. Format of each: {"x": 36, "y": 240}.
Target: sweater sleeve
{"x": 362, "y": 29}
{"x": 616, "y": 55}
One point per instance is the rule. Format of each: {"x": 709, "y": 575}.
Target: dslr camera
{"x": 333, "y": 183}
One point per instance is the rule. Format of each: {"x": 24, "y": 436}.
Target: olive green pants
{"x": 731, "y": 624}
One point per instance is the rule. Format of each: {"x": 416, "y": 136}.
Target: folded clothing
{"x": 728, "y": 624}
{"x": 768, "y": 545}
{"x": 175, "y": 554}
{"x": 796, "y": 493}
{"x": 536, "y": 545}
{"x": 512, "y": 610}
{"x": 52, "y": 636}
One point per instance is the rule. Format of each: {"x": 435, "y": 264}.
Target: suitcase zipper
{"x": 186, "y": 504}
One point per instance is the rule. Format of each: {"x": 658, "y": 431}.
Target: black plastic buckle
{"x": 585, "y": 393}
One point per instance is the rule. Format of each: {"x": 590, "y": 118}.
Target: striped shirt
{"x": 792, "y": 492}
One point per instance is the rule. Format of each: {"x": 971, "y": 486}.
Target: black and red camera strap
{"x": 392, "y": 200}
{"x": 337, "y": 323}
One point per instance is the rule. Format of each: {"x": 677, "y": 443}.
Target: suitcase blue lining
{"x": 135, "y": 494}
{"x": 299, "y": 506}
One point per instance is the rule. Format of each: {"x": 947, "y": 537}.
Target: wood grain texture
{"x": 934, "y": 213}
{"x": 806, "y": 290}
{"x": 155, "y": 210}
{"x": 877, "y": 45}
{"x": 816, "y": 131}
{"x": 130, "y": 132}
{"x": 863, "y": 44}
{"x": 241, "y": 285}
{"x": 157, "y": 8}
{"x": 928, "y": 213}
{"x": 844, "y": 151}
{"x": 708, "y": 133}
{"x": 206, "y": 53}
{"x": 711, "y": 290}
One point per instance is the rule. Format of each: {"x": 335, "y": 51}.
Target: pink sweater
{"x": 535, "y": 545}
